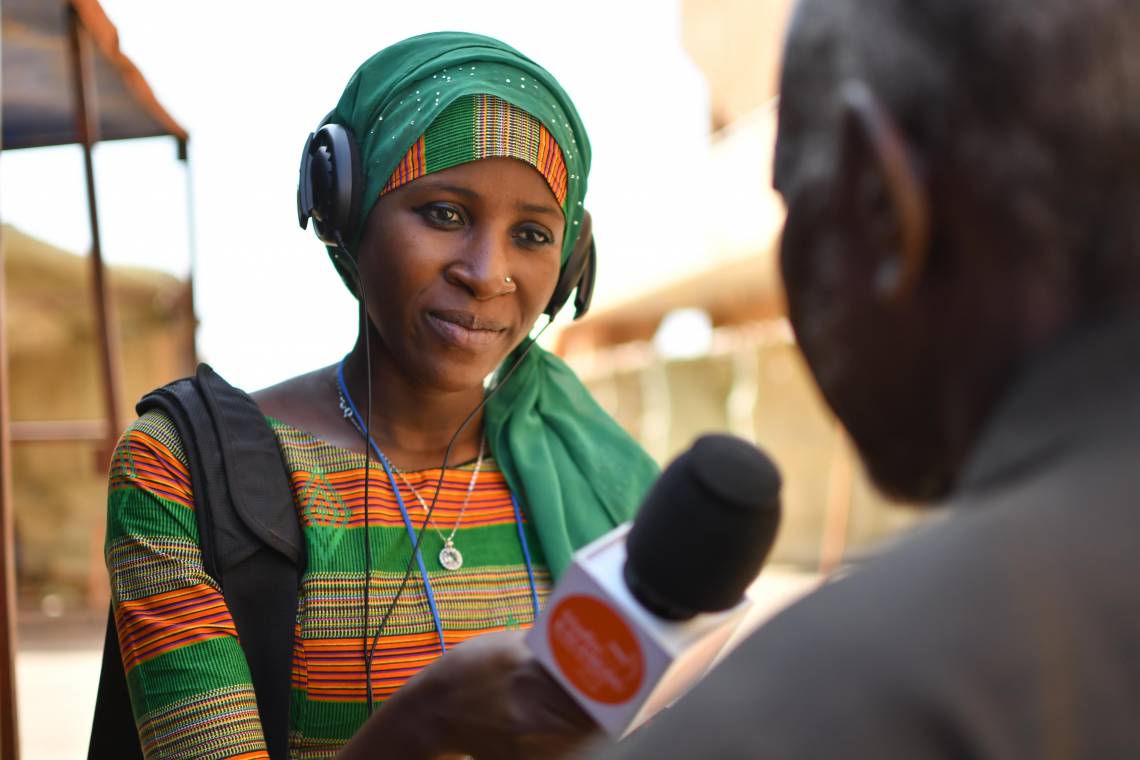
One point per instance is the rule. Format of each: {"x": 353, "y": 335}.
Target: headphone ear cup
{"x": 328, "y": 190}
{"x": 580, "y": 264}
{"x": 585, "y": 290}
{"x": 348, "y": 179}
{"x": 305, "y": 203}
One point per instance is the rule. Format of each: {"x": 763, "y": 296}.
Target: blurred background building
{"x": 60, "y": 480}
{"x": 59, "y": 464}
{"x": 704, "y": 345}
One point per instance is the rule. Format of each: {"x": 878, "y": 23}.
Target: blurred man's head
{"x": 963, "y": 185}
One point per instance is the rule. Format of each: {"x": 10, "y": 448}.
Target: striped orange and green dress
{"x": 189, "y": 683}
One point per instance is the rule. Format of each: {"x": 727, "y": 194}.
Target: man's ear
{"x": 883, "y": 188}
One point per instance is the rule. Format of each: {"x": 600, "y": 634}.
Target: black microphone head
{"x": 704, "y": 530}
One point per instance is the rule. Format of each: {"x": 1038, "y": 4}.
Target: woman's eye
{"x": 533, "y": 236}
{"x": 442, "y": 215}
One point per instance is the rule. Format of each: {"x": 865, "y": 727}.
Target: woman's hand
{"x": 488, "y": 698}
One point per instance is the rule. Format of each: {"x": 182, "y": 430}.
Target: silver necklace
{"x": 449, "y": 556}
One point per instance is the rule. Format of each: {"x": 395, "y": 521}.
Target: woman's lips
{"x": 464, "y": 329}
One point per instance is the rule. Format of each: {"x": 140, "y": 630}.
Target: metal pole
{"x": 9, "y": 725}
{"x": 9, "y": 738}
{"x": 106, "y": 333}
{"x": 192, "y": 249}
{"x": 57, "y": 431}
{"x": 87, "y": 129}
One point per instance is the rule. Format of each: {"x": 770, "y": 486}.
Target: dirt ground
{"x": 57, "y": 672}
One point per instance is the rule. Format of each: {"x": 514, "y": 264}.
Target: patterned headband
{"x": 475, "y": 127}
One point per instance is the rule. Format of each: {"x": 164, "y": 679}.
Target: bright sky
{"x": 249, "y": 80}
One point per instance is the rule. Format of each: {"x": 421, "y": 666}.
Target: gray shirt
{"x": 1009, "y": 630}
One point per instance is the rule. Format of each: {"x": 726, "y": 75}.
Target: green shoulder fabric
{"x": 577, "y": 472}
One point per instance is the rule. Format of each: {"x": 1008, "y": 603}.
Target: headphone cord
{"x": 439, "y": 482}
{"x": 349, "y": 265}
{"x": 370, "y": 647}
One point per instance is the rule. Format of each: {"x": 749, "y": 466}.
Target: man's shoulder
{"x": 980, "y": 613}
{"x": 970, "y": 637}
{"x": 989, "y": 567}
{"x": 909, "y": 605}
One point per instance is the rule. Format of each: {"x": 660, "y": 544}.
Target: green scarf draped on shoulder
{"x": 576, "y": 472}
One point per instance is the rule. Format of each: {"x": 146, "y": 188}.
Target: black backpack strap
{"x": 113, "y": 731}
{"x": 261, "y": 501}
{"x": 260, "y": 586}
{"x": 248, "y": 529}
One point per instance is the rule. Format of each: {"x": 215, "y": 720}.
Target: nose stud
{"x": 508, "y": 279}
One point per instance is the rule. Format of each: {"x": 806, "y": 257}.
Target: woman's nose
{"x": 481, "y": 268}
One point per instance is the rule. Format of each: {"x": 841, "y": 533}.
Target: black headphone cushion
{"x": 331, "y": 171}
{"x": 581, "y": 265}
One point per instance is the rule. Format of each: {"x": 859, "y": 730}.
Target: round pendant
{"x": 450, "y": 557}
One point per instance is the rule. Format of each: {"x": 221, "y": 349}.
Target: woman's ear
{"x": 884, "y": 192}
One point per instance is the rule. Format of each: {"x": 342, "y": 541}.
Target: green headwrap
{"x": 576, "y": 473}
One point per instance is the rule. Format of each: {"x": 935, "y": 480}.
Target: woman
{"x": 473, "y": 167}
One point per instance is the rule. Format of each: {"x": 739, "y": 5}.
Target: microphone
{"x": 643, "y": 611}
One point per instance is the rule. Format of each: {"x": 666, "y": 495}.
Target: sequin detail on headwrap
{"x": 477, "y": 127}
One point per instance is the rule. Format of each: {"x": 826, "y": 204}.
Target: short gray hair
{"x": 1037, "y": 101}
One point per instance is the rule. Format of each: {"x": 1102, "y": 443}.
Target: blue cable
{"x": 419, "y": 555}
{"x": 411, "y": 531}
{"x": 403, "y": 509}
{"x": 526, "y": 554}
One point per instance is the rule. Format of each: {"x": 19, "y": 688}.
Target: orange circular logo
{"x": 595, "y": 649}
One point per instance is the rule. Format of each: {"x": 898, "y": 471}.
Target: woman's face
{"x": 435, "y": 257}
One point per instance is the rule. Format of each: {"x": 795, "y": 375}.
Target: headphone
{"x": 329, "y": 190}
